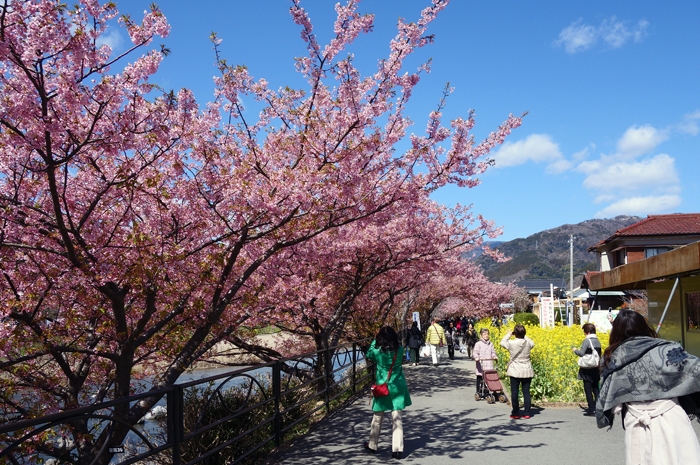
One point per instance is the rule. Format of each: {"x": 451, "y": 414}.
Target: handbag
{"x": 591, "y": 360}
{"x": 382, "y": 390}
{"x": 425, "y": 351}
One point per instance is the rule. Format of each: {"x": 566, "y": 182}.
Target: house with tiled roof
{"x": 536, "y": 287}
{"x": 654, "y": 235}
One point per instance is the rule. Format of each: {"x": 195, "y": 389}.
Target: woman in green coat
{"x": 386, "y": 353}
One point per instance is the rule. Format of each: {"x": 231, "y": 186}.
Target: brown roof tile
{"x": 657, "y": 225}
{"x": 674, "y": 224}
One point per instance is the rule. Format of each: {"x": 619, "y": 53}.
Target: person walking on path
{"x": 470, "y": 339}
{"x": 589, "y": 375}
{"x": 485, "y": 355}
{"x": 435, "y": 338}
{"x": 414, "y": 339}
{"x": 451, "y": 337}
{"x": 654, "y": 385}
{"x": 519, "y": 369}
{"x": 387, "y": 355}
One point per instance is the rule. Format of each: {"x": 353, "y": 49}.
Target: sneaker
{"x": 516, "y": 417}
{"x": 588, "y": 414}
{"x": 369, "y": 449}
{"x": 526, "y": 417}
{"x": 396, "y": 455}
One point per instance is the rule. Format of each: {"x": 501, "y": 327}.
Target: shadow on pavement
{"x": 444, "y": 421}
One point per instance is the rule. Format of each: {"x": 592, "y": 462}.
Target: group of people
{"x": 437, "y": 336}
{"x": 653, "y": 384}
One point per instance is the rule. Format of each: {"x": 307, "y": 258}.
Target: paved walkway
{"x": 446, "y": 425}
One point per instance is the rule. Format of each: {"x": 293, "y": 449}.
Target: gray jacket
{"x": 590, "y": 343}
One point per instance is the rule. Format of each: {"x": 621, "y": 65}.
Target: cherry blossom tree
{"x": 138, "y": 229}
{"x": 460, "y": 289}
{"x": 320, "y": 280}
{"x": 360, "y": 276}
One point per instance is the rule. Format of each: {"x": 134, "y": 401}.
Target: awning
{"x": 683, "y": 261}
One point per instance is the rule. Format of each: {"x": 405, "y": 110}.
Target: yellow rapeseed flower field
{"x": 555, "y": 364}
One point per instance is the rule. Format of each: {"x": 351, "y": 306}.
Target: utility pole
{"x": 571, "y": 276}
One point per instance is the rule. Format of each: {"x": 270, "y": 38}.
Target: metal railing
{"x": 234, "y": 417}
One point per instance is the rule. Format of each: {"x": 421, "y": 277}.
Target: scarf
{"x": 646, "y": 369}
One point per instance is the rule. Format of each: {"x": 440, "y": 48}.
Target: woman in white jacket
{"x": 519, "y": 369}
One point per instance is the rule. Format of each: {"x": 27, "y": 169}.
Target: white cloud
{"x": 616, "y": 33}
{"x": 582, "y": 154}
{"x": 558, "y": 166}
{"x": 604, "y": 198}
{"x": 640, "y": 32}
{"x": 651, "y": 174}
{"x": 640, "y": 206}
{"x": 537, "y": 148}
{"x": 579, "y": 37}
{"x": 590, "y": 167}
{"x": 639, "y": 140}
{"x": 112, "y": 39}
{"x": 690, "y": 125}
{"x": 626, "y": 185}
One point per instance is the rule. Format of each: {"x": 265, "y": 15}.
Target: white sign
{"x": 546, "y": 312}
{"x": 506, "y": 305}
{"x": 600, "y": 319}
{"x": 416, "y": 318}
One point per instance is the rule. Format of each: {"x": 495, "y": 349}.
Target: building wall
{"x": 623, "y": 250}
{"x": 634, "y": 254}
{"x": 676, "y": 325}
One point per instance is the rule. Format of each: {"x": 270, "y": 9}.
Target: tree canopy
{"x": 140, "y": 229}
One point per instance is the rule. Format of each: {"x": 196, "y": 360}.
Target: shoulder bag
{"x": 442, "y": 343}
{"x": 591, "y": 360}
{"x": 514, "y": 357}
{"x": 382, "y": 390}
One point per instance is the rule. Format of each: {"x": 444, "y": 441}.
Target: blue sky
{"x": 611, "y": 90}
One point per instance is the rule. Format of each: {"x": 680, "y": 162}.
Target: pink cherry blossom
{"x": 139, "y": 229}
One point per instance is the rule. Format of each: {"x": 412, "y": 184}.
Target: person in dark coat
{"x": 589, "y": 376}
{"x": 470, "y": 338}
{"x": 414, "y": 340}
{"x": 451, "y": 337}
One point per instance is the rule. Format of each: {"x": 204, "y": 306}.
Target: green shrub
{"x": 526, "y": 319}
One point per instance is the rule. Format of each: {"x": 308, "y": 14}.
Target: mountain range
{"x": 546, "y": 254}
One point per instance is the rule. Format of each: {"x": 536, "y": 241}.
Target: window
{"x": 692, "y": 305}
{"x": 652, "y": 251}
{"x": 620, "y": 257}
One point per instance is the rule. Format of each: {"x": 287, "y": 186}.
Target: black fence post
{"x": 354, "y": 367}
{"x": 277, "y": 393}
{"x": 327, "y": 360}
{"x": 176, "y": 419}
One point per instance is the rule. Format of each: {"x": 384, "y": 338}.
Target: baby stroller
{"x": 491, "y": 387}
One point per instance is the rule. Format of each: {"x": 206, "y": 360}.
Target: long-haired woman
{"x": 387, "y": 355}
{"x": 654, "y": 384}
